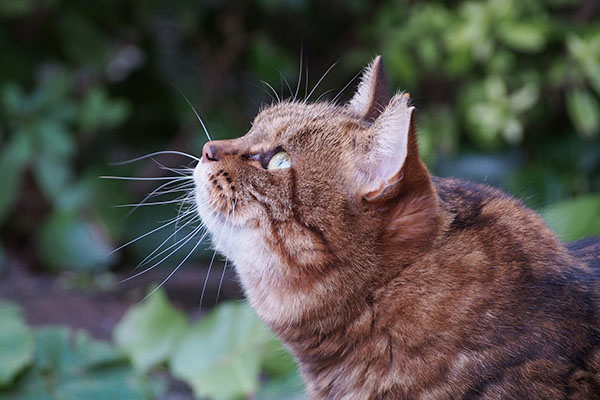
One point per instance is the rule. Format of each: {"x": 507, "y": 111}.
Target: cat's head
{"x": 315, "y": 196}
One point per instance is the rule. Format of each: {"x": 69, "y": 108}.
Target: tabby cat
{"x": 386, "y": 282}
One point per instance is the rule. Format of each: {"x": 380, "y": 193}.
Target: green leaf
{"x": 54, "y": 139}
{"x": 16, "y": 343}
{"x": 584, "y": 111}
{"x": 68, "y": 241}
{"x": 75, "y": 366}
{"x": 289, "y": 387}
{"x": 52, "y": 174}
{"x": 524, "y": 36}
{"x": 53, "y": 89}
{"x": 277, "y": 360}
{"x": 576, "y": 218}
{"x": 221, "y": 356}
{"x": 149, "y": 333}
{"x": 98, "y": 110}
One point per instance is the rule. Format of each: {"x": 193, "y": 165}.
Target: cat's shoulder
{"x": 475, "y": 204}
{"x": 453, "y": 190}
{"x": 586, "y": 250}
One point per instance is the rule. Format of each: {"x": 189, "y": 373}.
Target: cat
{"x": 386, "y": 282}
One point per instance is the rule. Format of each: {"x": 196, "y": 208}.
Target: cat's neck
{"x": 324, "y": 324}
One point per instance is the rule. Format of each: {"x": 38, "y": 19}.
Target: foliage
{"x": 221, "y": 356}
{"x": 16, "y": 343}
{"x": 150, "y": 332}
{"x": 576, "y": 218}
{"x": 41, "y": 142}
{"x": 54, "y": 363}
{"x": 507, "y": 92}
{"x": 90, "y": 83}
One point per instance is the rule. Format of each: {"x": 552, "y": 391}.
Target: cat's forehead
{"x": 284, "y": 120}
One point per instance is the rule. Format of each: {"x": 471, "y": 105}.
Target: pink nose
{"x": 210, "y": 152}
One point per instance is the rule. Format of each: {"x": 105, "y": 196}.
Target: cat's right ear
{"x": 373, "y": 93}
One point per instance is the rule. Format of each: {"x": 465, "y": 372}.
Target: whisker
{"x": 345, "y": 87}
{"x": 306, "y": 83}
{"x": 226, "y": 254}
{"x": 286, "y": 83}
{"x": 212, "y": 260}
{"x": 174, "y": 170}
{"x": 156, "y": 153}
{"x": 299, "y": 76}
{"x": 141, "y": 237}
{"x": 266, "y": 92}
{"x": 162, "y": 178}
{"x": 274, "y": 91}
{"x": 325, "y": 93}
{"x": 188, "y": 238}
{"x": 174, "y": 270}
{"x": 195, "y": 112}
{"x": 155, "y": 203}
{"x": 184, "y": 202}
{"x": 150, "y": 256}
{"x": 180, "y": 187}
{"x": 320, "y": 80}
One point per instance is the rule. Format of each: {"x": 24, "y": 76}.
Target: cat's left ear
{"x": 390, "y": 152}
{"x": 373, "y": 92}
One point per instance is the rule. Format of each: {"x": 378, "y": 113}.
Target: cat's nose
{"x": 210, "y": 152}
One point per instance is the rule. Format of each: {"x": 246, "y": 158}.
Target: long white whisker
{"x": 183, "y": 188}
{"x": 151, "y": 256}
{"x": 195, "y": 112}
{"x": 184, "y": 202}
{"x": 286, "y": 83}
{"x": 177, "y": 171}
{"x": 175, "y": 270}
{"x": 265, "y": 91}
{"x": 320, "y": 80}
{"x": 162, "y": 178}
{"x": 299, "y": 76}
{"x": 274, "y": 91}
{"x": 345, "y": 87}
{"x": 324, "y": 93}
{"x": 306, "y": 83}
{"x": 227, "y": 253}
{"x": 155, "y": 154}
{"x": 155, "y": 192}
{"x": 189, "y": 237}
{"x": 212, "y": 260}
{"x": 155, "y": 203}
{"x": 141, "y": 237}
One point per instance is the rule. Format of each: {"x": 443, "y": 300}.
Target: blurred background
{"x": 507, "y": 92}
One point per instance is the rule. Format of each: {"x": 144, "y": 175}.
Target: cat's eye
{"x": 280, "y": 160}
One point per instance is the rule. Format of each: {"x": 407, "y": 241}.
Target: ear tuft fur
{"x": 373, "y": 92}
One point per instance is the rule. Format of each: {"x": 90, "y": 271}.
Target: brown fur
{"x": 413, "y": 288}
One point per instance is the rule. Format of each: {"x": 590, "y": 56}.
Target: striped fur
{"x": 408, "y": 287}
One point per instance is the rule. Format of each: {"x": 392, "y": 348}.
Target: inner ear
{"x": 373, "y": 92}
{"x": 386, "y": 191}
{"x": 381, "y": 168}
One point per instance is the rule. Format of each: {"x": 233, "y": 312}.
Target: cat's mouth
{"x": 214, "y": 197}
